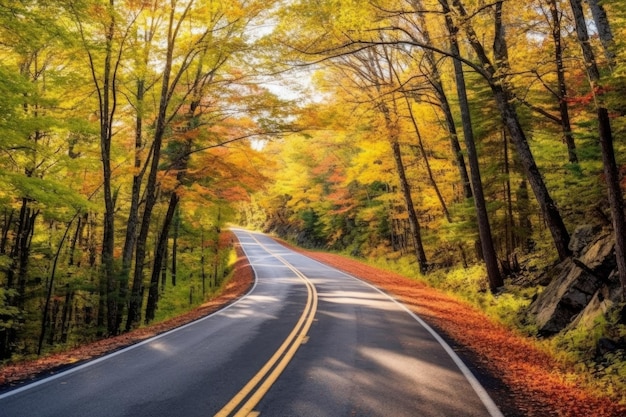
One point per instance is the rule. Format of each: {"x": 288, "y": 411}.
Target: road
{"x": 306, "y": 341}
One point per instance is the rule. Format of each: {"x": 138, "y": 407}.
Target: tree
{"x": 484, "y": 228}
{"x": 561, "y": 92}
{"x": 177, "y": 14}
{"x": 605, "y": 135}
{"x": 604, "y": 29}
{"x": 433, "y": 75}
{"x": 495, "y": 73}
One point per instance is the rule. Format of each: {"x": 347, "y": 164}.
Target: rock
{"x": 606, "y": 298}
{"x": 582, "y": 237}
{"x": 600, "y": 255}
{"x": 574, "y": 286}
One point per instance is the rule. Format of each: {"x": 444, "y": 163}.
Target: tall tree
{"x": 177, "y": 15}
{"x": 142, "y": 42}
{"x": 603, "y": 27}
{"x": 433, "y": 75}
{"x": 605, "y": 135}
{"x": 496, "y": 74}
{"x": 561, "y": 92}
{"x": 103, "y": 35}
{"x": 484, "y": 228}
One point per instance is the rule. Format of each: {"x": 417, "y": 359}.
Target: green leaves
{"x": 56, "y": 200}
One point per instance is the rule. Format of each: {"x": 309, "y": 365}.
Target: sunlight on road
{"x": 359, "y": 299}
{"x": 255, "y": 303}
{"x": 160, "y": 346}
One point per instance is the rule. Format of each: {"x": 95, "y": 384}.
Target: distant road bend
{"x": 307, "y": 341}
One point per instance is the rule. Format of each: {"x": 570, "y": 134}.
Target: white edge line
{"x": 484, "y": 396}
{"x": 482, "y": 393}
{"x": 126, "y": 349}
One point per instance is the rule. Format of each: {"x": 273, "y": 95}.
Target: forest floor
{"x": 531, "y": 382}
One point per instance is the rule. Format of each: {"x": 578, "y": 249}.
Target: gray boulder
{"x": 605, "y": 299}
{"x": 582, "y": 237}
{"x": 574, "y": 286}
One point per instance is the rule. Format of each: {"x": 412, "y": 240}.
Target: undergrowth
{"x": 195, "y": 285}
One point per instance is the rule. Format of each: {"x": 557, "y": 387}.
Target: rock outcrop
{"x": 582, "y": 286}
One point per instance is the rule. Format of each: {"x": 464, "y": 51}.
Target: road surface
{"x": 306, "y": 341}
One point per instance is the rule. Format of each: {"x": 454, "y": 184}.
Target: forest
{"x": 440, "y": 138}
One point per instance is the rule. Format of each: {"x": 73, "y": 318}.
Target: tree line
{"x": 124, "y": 142}
{"x": 450, "y": 124}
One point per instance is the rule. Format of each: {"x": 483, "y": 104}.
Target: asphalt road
{"x": 307, "y": 341}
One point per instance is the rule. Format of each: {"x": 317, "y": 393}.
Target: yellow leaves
{"x": 373, "y": 163}
{"x": 352, "y": 15}
{"x": 314, "y": 26}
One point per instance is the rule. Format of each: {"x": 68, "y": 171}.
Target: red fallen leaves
{"x": 540, "y": 387}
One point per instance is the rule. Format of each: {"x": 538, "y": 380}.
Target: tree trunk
{"x": 604, "y": 30}
{"x": 504, "y": 100}
{"x": 562, "y": 90}
{"x": 484, "y": 228}
{"x": 8, "y": 220}
{"x": 50, "y": 289}
{"x": 132, "y": 223}
{"x": 179, "y": 165}
{"x": 20, "y": 253}
{"x": 80, "y": 225}
{"x": 164, "y": 269}
{"x": 550, "y": 212}
{"x": 408, "y": 200}
{"x": 66, "y": 317}
{"x": 107, "y": 108}
{"x": 583, "y": 40}
{"x": 510, "y": 220}
{"x": 159, "y": 258}
{"x": 136, "y": 298}
{"x": 616, "y": 199}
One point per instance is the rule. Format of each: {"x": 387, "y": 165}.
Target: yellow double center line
{"x": 250, "y": 395}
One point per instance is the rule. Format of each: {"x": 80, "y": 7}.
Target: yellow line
{"x": 269, "y": 381}
{"x": 292, "y": 343}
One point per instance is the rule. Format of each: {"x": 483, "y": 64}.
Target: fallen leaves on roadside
{"x": 540, "y": 386}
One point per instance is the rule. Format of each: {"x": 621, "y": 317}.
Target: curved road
{"x": 306, "y": 341}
